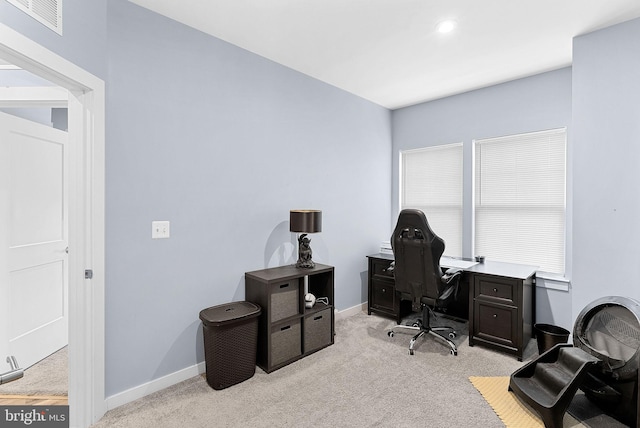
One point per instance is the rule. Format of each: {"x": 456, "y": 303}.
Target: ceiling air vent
{"x": 47, "y": 12}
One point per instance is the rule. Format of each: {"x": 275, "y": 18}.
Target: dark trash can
{"x": 549, "y": 335}
{"x": 230, "y": 342}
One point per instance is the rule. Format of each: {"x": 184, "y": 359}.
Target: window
{"x": 431, "y": 181}
{"x": 520, "y": 199}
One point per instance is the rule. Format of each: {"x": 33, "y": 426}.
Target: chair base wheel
{"x": 390, "y": 333}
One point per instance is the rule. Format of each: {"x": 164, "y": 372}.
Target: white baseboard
{"x": 346, "y": 313}
{"x": 155, "y": 385}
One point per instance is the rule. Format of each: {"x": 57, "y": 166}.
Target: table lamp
{"x": 305, "y": 221}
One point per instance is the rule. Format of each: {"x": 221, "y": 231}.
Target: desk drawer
{"x": 496, "y": 323}
{"x": 380, "y": 267}
{"x": 383, "y": 294}
{"x": 496, "y": 289}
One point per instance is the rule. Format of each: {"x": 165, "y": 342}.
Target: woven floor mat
{"x": 512, "y": 412}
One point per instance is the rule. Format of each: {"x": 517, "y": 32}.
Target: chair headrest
{"x": 415, "y": 223}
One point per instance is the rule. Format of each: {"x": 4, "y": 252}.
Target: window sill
{"x": 552, "y": 281}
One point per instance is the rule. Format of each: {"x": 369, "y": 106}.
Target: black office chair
{"x": 418, "y": 276}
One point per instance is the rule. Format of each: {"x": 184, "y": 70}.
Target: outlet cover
{"x": 160, "y": 229}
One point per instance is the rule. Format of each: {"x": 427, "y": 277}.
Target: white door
{"x": 33, "y": 241}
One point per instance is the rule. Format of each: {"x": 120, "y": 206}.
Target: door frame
{"x": 86, "y": 106}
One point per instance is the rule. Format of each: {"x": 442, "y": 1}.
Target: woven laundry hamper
{"x": 230, "y": 342}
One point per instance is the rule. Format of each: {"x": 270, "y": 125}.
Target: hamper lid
{"x": 229, "y": 312}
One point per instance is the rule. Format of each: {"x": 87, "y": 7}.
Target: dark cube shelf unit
{"x": 287, "y": 330}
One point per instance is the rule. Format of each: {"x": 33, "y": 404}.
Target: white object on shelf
{"x": 385, "y": 247}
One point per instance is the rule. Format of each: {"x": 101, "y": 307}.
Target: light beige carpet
{"x": 366, "y": 379}
{"x": 509, "y": 409}
{"x": 47, "y": 377}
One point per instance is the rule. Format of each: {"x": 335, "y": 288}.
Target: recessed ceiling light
{"x": 446, "y": 26}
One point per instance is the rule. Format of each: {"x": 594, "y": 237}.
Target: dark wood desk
{"x": 382, "y": 296}
{"x": 383, "y": 299}
{"x": 502, "y": 306}
{"x": 498, "y": 298}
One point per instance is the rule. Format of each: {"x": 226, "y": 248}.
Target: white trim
{"x": 552, "y": 281}
{"x": 28, "y": 55}
{"x": 86, "y": 218}
{"x": 33, "y": 96}
{"x": 155, "y": 385}
{"x": 432, "y": 148}
{"x": 346, "y": 313}
{"x": 552, "y": 277}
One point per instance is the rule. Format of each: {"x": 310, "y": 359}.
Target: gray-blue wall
{"x": 223, "y": 143}
{"x": 532, "y": 104}
{"x": 606, "y": 157}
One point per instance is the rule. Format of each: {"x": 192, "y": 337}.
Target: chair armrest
{"x": 451, "y": 282}
{"x": 392, "y": 267}
{"x": 451, "y": 274}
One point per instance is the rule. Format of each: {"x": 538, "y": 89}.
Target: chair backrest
{"x": 417, "y": 251}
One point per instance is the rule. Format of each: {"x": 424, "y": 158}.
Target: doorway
{"x": 34, "y": 195}
{"x": 86, "y": 106}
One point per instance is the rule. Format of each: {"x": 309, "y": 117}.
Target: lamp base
{"x": 305, "y": 264}
{"x": 304, "y": 253}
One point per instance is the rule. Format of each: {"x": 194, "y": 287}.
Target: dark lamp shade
{"x": 305, "y": 221}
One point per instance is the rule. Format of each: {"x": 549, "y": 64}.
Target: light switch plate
{"x": 160, "y": 229}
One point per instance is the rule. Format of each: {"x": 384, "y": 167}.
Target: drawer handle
{"x": 284, "y": 285}
{"x": 495, "y": 315}
{"x": 384, "y": 290}
{"x": 495, "y": 290}
{"x": 285, "y": 328}
{"x": 317, "y": 318}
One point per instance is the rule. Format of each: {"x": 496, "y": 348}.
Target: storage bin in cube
{"x": 230, "y": 342}
{"x": 317, "y": 330}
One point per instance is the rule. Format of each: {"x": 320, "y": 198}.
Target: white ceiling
{"x": 389, "y": 52}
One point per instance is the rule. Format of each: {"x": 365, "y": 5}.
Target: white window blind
{"x": 520, "y": 199}
{"x": 431, "y": 181}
